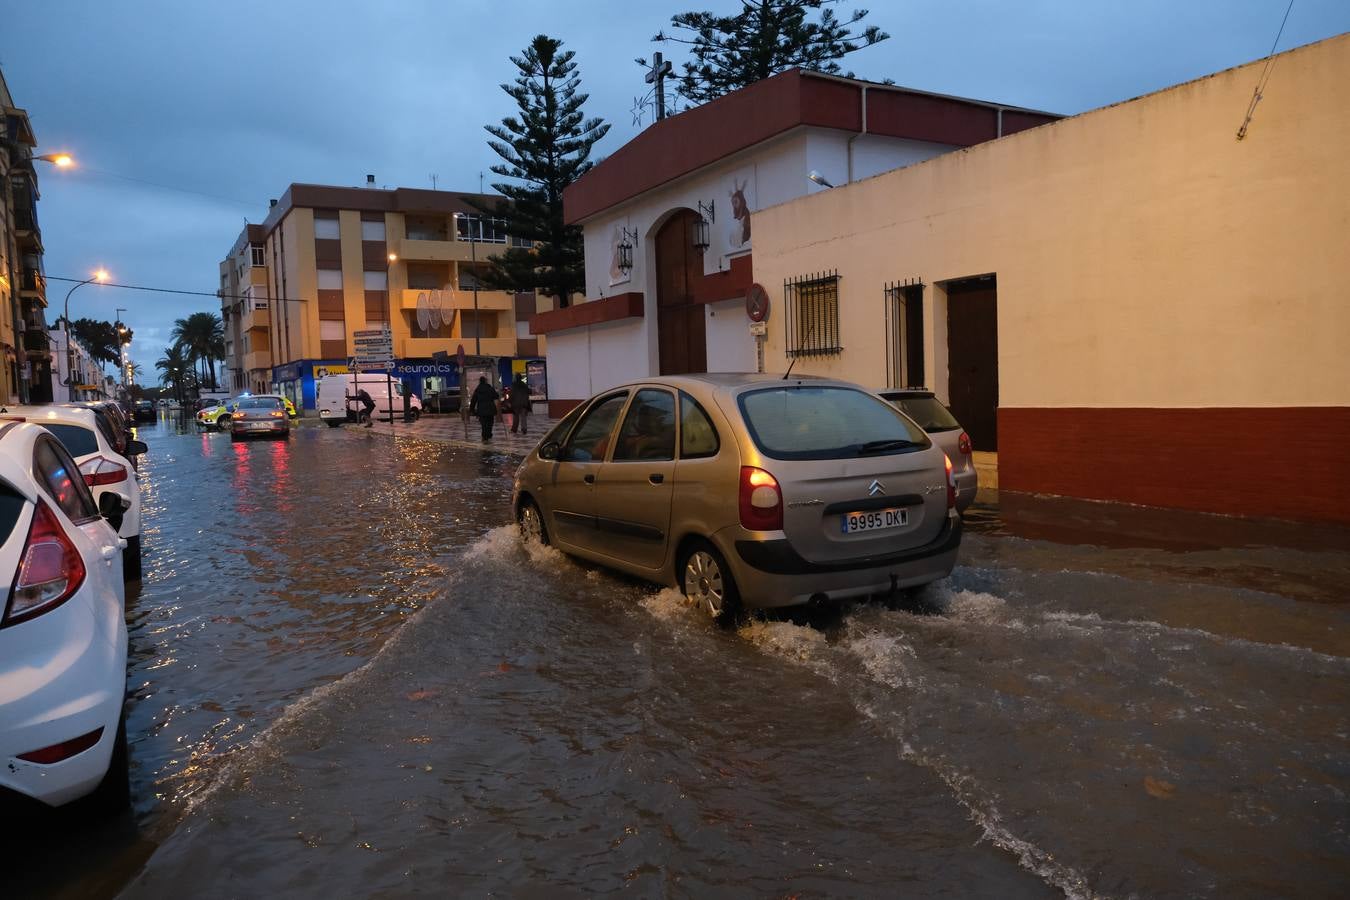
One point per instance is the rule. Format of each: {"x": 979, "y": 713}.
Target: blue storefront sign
{"x": 419, "y": 376}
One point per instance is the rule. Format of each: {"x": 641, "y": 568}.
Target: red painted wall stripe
{"x": 1286, "y": 462}
{"x": 592, "y": 312}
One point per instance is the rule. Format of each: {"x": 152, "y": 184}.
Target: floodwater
{"x": 349, "y": 679}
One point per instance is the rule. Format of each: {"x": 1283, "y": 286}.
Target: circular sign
{"x": 757, "y": 303}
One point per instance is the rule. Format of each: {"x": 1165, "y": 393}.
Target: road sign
{"x": 757, "y": 303}
{"x": 374, "y": 349}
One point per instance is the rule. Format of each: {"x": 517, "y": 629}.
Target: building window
{"x": 444, "y": 329}
{"x": 372, "y": 231}
{"x": 376, "y": 281}
{"x": 256, "y": 253}
{"x": 812, "y": 304}
{"x": 330, "y": 279}
{"x": 903, "y": 307}
{"x": 482, "y": 229}
{"x": 326, "y": 228}
{"x": 478, "y": 324}
{"x": 332, "y": 330}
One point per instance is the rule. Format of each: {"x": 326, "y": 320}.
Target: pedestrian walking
{"x": 483, "y": 404}
{"x": 520, "y": 404}
{"x": 367, "y": 406}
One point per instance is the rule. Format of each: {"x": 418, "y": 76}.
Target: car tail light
{"x": 101, "y": 470}
{"x": 241, "y": 415}
{"x": 277, "y": 414}
{"x": 963, "y": 444}
{"x": 951, "y": 482}
{"x": 761, "y": 501}
{"x": 50, "y": 569}
{"x": 64, "y": 750}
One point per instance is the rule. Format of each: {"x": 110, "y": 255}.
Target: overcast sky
{"x": 237, "y": 100}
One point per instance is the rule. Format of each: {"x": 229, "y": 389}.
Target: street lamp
{"x": 819, "y": 179}
{"x": 99, "y": 276}
{"x": 473, "y": 256}
{"x": 60, "y": 160}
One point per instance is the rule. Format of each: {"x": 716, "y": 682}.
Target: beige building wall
{"x": 1144, "y": 256}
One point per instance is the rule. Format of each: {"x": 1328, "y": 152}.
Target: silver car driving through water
{"x": 745, "y": 490}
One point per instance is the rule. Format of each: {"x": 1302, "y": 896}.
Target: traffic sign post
{"x": 374, "y": 349}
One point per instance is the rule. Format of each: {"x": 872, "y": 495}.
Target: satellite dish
{"x": 423, "y": 312}
{"x": 434, "y": 302}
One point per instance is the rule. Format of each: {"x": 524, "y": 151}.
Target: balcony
{"x": 35, "y": 342}
{"x": 26, "y": 230}
{"x": 257, "y": 317}
{"x": 422, "y": 348}
{"x": 503, "y": 301}
{"x": 437, "y": 251}
{"x": 33, "y": 284}
{"x": 258, "y": 359}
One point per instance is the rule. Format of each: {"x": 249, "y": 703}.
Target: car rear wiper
{"x": 887, "y": 444}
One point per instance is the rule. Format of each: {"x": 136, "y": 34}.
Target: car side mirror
{"x": 548, "y": 450}
{"x": 113, "y": 505}
{"x": 136, "y": 448}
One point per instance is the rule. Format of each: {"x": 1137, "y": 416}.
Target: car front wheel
{"x": 531, "y": 523}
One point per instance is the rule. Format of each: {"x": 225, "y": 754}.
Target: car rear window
{"x": 823, "y": 422}
{"x": 75, "y": 438}
{"x": 258, "y": 403}
{"x": 928, "y": 412}
{"x": 11, "y": 506}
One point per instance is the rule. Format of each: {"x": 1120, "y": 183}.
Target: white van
{"x": 331, "y": 393}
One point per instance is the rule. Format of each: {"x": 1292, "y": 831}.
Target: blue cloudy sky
{"x": 227, "y": 103}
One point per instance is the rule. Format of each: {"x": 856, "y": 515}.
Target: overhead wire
{"x": 161, "y": 290}
{"x": 1265, "y": 76}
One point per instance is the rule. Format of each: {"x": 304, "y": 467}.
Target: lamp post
{"x": 99, "y": 276}
{"x": 121, "y": 345}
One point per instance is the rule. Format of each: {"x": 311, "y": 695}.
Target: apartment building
{"x": 337, "y": 260}
{"x": 25, "y": 371}
{"x": 245, "y": 313}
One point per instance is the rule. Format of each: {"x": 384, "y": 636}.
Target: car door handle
{"x": 589, "y": 479}
{"x": 656, "y": 478}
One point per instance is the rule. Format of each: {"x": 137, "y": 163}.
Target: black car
{"x": 144, "y": 411}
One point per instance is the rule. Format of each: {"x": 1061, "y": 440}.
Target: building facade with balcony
{"x": 338, "y": 260}
{"x": 245, "y": 313}
{"x": 25, "y": 371}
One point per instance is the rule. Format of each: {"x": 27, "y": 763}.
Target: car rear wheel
{"x": 531, "y": 523}
{"x": 707, "y": 582}
{"x": 414, "y": 415}
{"x": 334, "y": 423}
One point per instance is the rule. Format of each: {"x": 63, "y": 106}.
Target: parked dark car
{"x": 144, "y": 411}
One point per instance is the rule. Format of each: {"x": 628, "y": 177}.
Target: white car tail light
{"x": 951, "y": 482}
{"x": 100, "y": 470}
{"x": 50, "y": 569}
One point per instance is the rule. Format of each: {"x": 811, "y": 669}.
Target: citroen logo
{"x": 876, "y": 487}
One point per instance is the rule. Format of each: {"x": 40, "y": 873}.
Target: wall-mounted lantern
{"x": 702, "y": 236}
{"x": 626, "y": 242}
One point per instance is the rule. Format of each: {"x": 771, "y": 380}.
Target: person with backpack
{"x": 520, "y": 404}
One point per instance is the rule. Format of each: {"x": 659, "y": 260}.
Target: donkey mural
{"x": 740, "y": 211}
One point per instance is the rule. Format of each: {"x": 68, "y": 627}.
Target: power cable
{"x": 1265, "y": 76}
{"x": 167, "y": 187}
{"x": 160, "y": 290}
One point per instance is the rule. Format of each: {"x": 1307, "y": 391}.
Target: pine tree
{"x": 766, "y": 37}
{"x": 546, "y": 147}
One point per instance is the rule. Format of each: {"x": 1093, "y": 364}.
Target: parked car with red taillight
{"x": 63, "y": 633}
{"x": 749, "y": 490}
{"x": 102, "y": 463}
{"x": 921, "y": 405}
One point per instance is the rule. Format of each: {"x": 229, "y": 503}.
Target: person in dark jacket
{"x": 367, "y": 406}
{"x": 520, "y": 404}
{"x": 483, "y": 404}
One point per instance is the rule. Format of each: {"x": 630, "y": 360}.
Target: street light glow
{"x": 63, "y": 160}
{"x": 393, "y": 257}
{"x": 101, "y": 275}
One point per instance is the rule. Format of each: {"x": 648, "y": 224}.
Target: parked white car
{"x": 332, "y": 393}
{"x": 77, "y": 427}
{"x": 63, "y": 633}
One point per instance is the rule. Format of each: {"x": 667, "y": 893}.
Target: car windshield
{"x": 258, "y": 403}
{"x": 927, "y": 411}
{"x": 75, "y": 438}
{"x": 811, "y": 422}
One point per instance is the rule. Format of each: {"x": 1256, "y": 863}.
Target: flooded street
{"x": 350, "y": 678}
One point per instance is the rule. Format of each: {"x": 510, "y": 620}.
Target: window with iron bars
{"x": 904, "y": 333}
{"x": 812, "y": 303}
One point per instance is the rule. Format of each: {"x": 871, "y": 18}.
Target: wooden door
{"x": 679, "y": 320}
{"x": 972, "y": 359}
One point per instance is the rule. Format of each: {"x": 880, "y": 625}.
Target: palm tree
{"x": 175, "y": 369}
{"x": 202, "y": 337}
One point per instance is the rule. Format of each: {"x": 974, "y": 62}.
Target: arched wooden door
{"x": 679, "y": 320}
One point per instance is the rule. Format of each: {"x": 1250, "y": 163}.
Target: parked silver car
{"x": 258, "y": 416}
{"x": 921, "y": 405}
{"x": 745, "y": 490}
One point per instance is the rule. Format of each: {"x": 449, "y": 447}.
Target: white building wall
{"x": 730, "y": 347}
